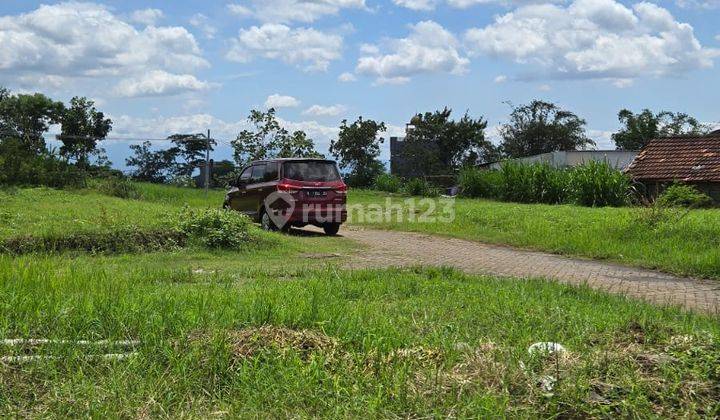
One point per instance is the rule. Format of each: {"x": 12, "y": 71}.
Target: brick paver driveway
{"x": 389, "y": 248}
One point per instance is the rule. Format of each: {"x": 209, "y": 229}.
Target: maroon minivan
{"x": 295, "y": 192}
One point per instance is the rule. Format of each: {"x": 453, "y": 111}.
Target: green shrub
{"x": 682, "y": 195}
{"x": 478, "y": 183}
{"x": 388, "y": 183}
{"x": 215, "y": 228}
{"x": 420, "y": 187}
{"x": 118, "y": 187}
{"x": 598, "y": 184}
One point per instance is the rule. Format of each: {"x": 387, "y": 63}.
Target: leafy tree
{"x": 28, "y": 117}
{"x": 639, "y": 129}
{"x": 82, "y": 127}
{"x": 438, "y": 145}
{"x": 268, "y": 139}
{"x": 542, "y": 127}
{"x": 153, "y": 166}
{"x": 357, "y": 149}
{"x": 298, "y": 144}
{"x": 191, "y": 147}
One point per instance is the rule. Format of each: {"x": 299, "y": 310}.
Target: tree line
{"x": 435, "y": 143}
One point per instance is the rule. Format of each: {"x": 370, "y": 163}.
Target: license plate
{"x": 316, "y": 193}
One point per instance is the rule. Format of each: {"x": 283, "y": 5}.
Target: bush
{"x": 418, "y": 186}
{"x": 215, "y": 228}
{"x": 118, "y": 187}
{"x": 682, "y": 195}
{"x": 478, "y": 183}
{"x": 598, "y": 184}
{"x": 388, "y": 183}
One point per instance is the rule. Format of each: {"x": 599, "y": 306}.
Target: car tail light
{"x": 342, "y": 189}
{"x": 289, "y": 188}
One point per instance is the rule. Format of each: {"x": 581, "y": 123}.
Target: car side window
{"x": 245, "y": 176}
{"x": 271, "y": 172}
{"x": 258, "y": 174}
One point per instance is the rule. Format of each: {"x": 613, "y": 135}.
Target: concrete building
{"x": 619, "y": 159}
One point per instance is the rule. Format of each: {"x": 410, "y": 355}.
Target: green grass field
{"x": 684, "y": 245}
{"x": 279, "y": 328}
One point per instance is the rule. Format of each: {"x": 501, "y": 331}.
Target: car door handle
{"x": 259, "y": 189}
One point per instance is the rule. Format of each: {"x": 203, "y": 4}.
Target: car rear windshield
{"x": 311, "y": 171}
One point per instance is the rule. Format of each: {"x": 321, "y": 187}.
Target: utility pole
{"x": 207, "y": 163}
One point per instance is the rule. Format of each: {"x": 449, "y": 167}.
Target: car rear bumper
{"x": 319, "y": 213}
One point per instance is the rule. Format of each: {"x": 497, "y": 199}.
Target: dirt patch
{"x": 252, "y": 341}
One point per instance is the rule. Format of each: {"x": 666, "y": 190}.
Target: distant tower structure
{"x": 398, "y": 165}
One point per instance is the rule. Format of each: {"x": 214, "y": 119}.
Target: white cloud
{"x": 239, "y": 10}
{"x": 147, "y": 16}
{"x": 281, "y": 101}
{"x": 325, "y": 111}
{"x": 285, "y": 11}
{"x": 160, "y": 83}
{"x": 500, "y": 79}
{"x": 429, "y": 48}
{"x": 699, "y": 4}
{"x": 544, "y": 88}
{"x": 307, "y": 48}
{"x": 594, "y": 39}
{"x": 347, "y": 77}
{"x": 202, "y": 23}
{"x": 423, "y": 5}
{"x": 86, "y": 41}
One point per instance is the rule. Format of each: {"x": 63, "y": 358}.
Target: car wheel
{"x": 266, "y": 222}
{"x": 331, "y": 228}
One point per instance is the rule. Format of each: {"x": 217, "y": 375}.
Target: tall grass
{"x": 591, "y": 184}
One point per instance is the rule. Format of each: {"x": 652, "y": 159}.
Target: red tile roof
{"x": 679, "y": 158}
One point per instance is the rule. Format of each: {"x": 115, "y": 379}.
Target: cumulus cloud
{"x": 325, "y": 111}
{"x": 285, "y": 11}
{"x": 429, "y": 48}
{"x": 347, "y": 77}
{"x": 500, "y": 79}
{"x": 307, "y": 48}
{"x": 594, "y": 39}
{"x": 281, "y": 101}
{"x": 202, "y": 23}
{"x": 84, "y": 40}
{"x": 146, "y": 16}
{"x": 160, "y": 83}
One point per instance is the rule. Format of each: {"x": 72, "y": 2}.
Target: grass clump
{"x": 597, "y": 184}
{"x": 420, "y": 187}
{"x": 215, "y": 228}
{"x": 682, "y": 195}
{"x": 118, "y": 187}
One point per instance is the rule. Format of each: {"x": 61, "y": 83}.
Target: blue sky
{"x": 159, "y": 67}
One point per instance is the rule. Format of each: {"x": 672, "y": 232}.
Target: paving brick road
{"x": 390, "y": 248}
